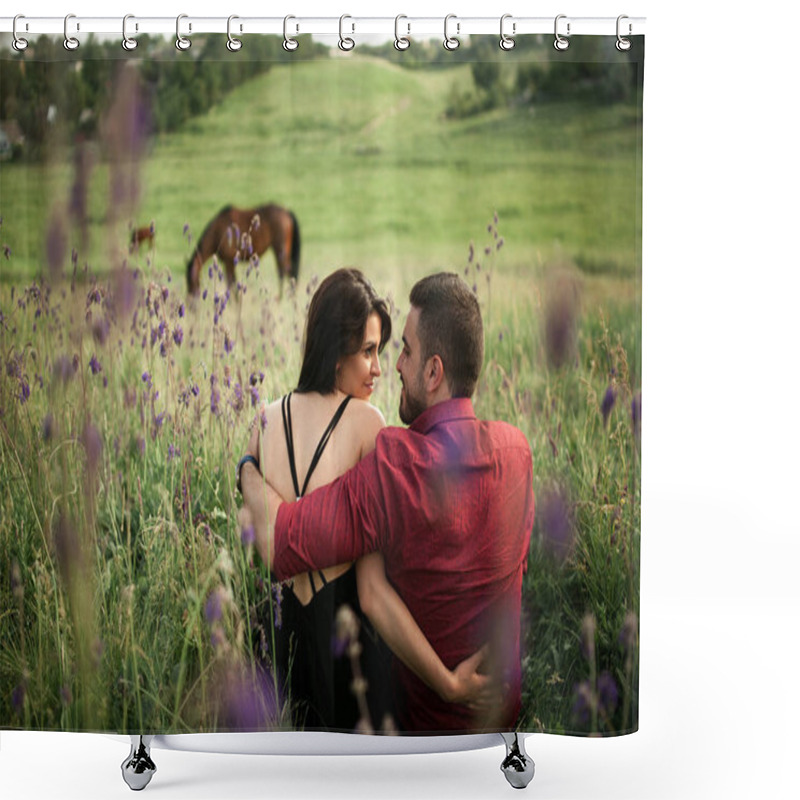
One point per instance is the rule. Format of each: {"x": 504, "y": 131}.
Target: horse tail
{"x": 295, "y": 246}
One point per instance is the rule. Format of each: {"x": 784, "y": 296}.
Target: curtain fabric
{"x": 132, "y": 597}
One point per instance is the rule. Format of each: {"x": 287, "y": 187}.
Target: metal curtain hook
{"x": 450, "y": 42}
{"x": 507, "y": 42}
{"x": 289, "y": 44}
{"x": 18, "y": 43}
{"x": 345, "y": 42}
{"x": 70, "y": 42}
{"x": 623, "y": 44}
{"x": 401, "y": 42}
{"x": 561, "y": 43}
{"x": 233, "y": 43}
{"x": 127, "y": 42}
{"x": 181, "y": 42}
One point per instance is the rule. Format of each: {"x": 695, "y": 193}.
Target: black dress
{"x": 315, "y": 664}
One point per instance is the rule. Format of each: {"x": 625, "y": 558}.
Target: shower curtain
{"x": 131, "y": 597}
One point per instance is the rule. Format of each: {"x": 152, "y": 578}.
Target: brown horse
{"x": 237, "y": 234}
{"x": 145, "y": 234}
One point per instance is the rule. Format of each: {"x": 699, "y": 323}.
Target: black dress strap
{"x": 286, "y": 412}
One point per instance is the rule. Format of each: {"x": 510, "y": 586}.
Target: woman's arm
{"x": 393, "y": 621}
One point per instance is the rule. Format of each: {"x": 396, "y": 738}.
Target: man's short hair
{"x": 450, "y": 326}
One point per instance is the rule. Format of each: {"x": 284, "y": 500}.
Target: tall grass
{"x": 130, "y": 600}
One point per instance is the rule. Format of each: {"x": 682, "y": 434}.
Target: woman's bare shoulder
{"x": 366, "y": 422}
{"x": 367, "y": 414}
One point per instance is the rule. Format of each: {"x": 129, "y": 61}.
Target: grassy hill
{"x": 361, "y": 150}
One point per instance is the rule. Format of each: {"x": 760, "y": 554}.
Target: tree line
{"x": 56, "y": 96}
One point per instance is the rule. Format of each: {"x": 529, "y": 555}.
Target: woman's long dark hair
{"x": 337, "y": 318}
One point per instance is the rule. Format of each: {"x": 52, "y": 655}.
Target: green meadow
{"x": 128, "y": 599}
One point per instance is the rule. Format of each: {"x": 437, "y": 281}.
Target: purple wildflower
{"x": 177, "y": 335}
{"x": 609, "y": 399}
{"x": 584, "y": 703}
{"x": 18, "y": 697}
{"x": 636, "y": 416}
{"x": 629, "y": 634}
{"x": 249, "y": 702}
{"x": 555, "y": 522}
{"x": 588, "y": 631}
{"x": 181, "y": 310}
{"x": 172, "y": 452}
{"x": 94, "y": 365}
{"x": 147, "y": 380}
{"x": 93, "y": 445}
{"x": 607, "y": 694}
{"x": 47, "y": 427}
{"x": 561, "y": 319}
{"x": 254, "y": 398}
{"x": 228, "y": 343}
{"x": 248, "y": 535}
{"x": 63, "y": 368}
{"x": 213, "y": 607}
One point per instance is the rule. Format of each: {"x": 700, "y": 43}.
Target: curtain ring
{"x": 623, "y": 44}
{"x": 70, "y": 42}
{"x": 127, "y": 42}
{"x": 289, "y": 44}
{"x": 561, "y": 43}
{"x": 18, "y": 43}
{"x": 233, "y": 44}
{"x": 507, "y": 42}
{"x": 450, "y": 42}
{"x": 400, "y": 42}
{"x": 345, "y": 42}
{"x": 181, "y": 42}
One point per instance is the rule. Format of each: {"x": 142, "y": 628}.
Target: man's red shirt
{"x": 449, "y": 502}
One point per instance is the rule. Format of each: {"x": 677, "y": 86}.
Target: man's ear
{"x": 434, "y": 374}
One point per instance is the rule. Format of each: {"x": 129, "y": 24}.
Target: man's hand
{"x": 261, "y": 501}
{"x": 468, "y": 686}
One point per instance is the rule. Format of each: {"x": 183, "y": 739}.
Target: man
{"x": 448, "y": 501}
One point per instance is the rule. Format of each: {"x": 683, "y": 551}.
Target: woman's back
{"x": 351, "y": 439}
{"x": 299, "y": 422}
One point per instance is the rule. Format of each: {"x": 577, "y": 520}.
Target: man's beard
{"x": 412, "y": 407}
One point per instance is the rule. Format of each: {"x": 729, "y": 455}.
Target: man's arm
{"x": 336, "y": 523}
{"x": 261, "y": 504}
{"x": 261, "y": 501}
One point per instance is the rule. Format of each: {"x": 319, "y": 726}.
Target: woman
{"x": 312, "y": 436}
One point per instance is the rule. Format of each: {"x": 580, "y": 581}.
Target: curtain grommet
{"x": 450, "y": 42}
{"x": 346, "y": 43}
{"x": 181, "y": 41}
{"x": 128, "y": 43}
{"x": 233, "y": 44}
{"x": 561, "y": 43}
{"x": 507, "y": 42}
{"x": 18, "y": 43}
{"x": 623, "y": 44}
{"x": 401, "y": 42}
{"x": 70, "y": 42}
{"x": 289, "y": 44}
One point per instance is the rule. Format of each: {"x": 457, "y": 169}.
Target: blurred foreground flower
{"x": 561, "y": 316}
{"x": 555, "y": 522}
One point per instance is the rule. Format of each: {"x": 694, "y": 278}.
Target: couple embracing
{"x": 421, "y": 533}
